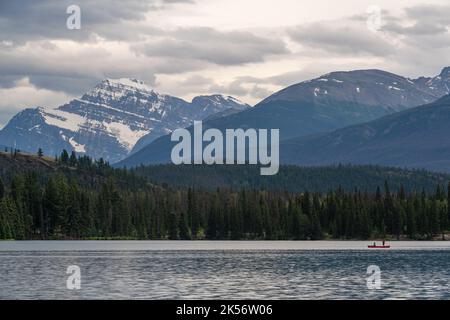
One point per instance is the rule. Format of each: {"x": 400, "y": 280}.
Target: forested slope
{"x": 77, "y": 198}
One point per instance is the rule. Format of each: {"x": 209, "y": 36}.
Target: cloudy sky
{"x": 244, "y": 48}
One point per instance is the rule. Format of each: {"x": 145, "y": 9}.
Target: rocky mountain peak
{"x": 108, "y": 120}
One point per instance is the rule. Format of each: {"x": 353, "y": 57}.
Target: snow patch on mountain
{"x": 126, "y": 136}
{"x": 62, "y": 119}
{"x": 79, "y": 148}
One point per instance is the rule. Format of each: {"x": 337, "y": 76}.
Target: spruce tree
{"x": 185, "y": 233}
{"x": 64, "y": 158}
{"x": 73, "y": 159}
{"x": 2, "y": 189}
{"x": 448, "y": 202}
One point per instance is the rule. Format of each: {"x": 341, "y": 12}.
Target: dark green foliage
{"x": 73, "y": 159}
{"x": 64, "y": 157}
{"x": 2, "y": 189}
{"x": 84, "y": 199}
{"x": 293, "y": 178}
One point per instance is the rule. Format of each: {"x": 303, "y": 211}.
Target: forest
{"x": 293, "y": 178}
{"x": 79, "y": 198}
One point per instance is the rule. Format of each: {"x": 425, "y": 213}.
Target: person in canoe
{"x": 383, "y": 246}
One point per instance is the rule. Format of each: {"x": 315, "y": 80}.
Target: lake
{"x": 223, "y": 270}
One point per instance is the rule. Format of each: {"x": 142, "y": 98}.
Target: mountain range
{"x": 114, "y": 119}
{"x": 330, "y": 102}
{"x": 362, "y": 117}
{"x": 415, "y": 138}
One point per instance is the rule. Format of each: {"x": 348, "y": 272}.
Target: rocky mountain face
{"x": 109, "y": 121}
{"x": 203, "y": 107}
{"x": 324, "y": 104}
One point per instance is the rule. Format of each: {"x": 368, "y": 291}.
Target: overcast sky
{"x": 244, "y": 48}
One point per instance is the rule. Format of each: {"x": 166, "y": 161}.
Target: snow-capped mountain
{"x": 204, "y": 107}
{"x": 109, "y": 120}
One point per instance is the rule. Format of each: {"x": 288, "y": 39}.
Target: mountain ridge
{"x": 329, "y": 102}
{"x": 414, "y": 138}
{"x": 108, "y": 120}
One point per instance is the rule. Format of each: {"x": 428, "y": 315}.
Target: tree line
{"x": 87, "y": 199}
{"x": 292, "y": 178}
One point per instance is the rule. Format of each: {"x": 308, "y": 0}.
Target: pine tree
{"x": 64, "y": 158}
{"x": 74, "y": 222}
{"x": 6, "y": 229}
{"x": 173, "y": 226}
{"x": 185, "y": 233}
{"x": 2, "y": 189}
{"x": 411, "y": 228}
{"x": 73, "y": 159}
{"x": 215, "y": 221}
{"x": 193, "y": 213}
{"x": 448, "y": 202}
{"x": 443, "y": 221}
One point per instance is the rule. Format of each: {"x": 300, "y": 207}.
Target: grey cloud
{"x": 78, "y": 85}
{"x": 6, "y": 115}
{"x": 240, "y": 86}
{"x": 243, "y": 86}
{"x": 179, "y": 51}
{"x": 288, "y": 78}
{"x": 427, "y": 20}
{"x": 418, "y": 29}
{"x": 192, "y": 84}
{"x": 341, "y": 39}
{"x": 192, "y": 49}
{"x": 422, "y": 26}
{"x": 421, "y": 20}
{"x": 253, "y": 86}
{"x": 197, "y": 80}
{"x": 259, "y": 92}
{"x": 171, "y": 65}
{"x": 9, "y": 81}
{"x": 27, "y": 20}
{"x": 69, "y": 85}
{"x": 210, "y": 45}
{"x": 437, "y": 13}
{"x": 235, "y": 88}
{"x": 72, "y": 74}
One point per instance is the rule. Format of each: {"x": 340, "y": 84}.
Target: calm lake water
{"x": 223, "y": 270}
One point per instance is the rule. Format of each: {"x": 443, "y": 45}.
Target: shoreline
{"x": 215, "y": 245}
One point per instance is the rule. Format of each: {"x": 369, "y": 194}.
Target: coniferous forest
{"x": 74, "y": 197}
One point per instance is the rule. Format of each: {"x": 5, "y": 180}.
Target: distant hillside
{"x": 76, "y": 198}
{"x": 23, "y": 161}
{"x": 290, "y": 178}
{"x": 415, "y": 138}
{"x": 293, "y": 178}
{"x": 84, "y": 171}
